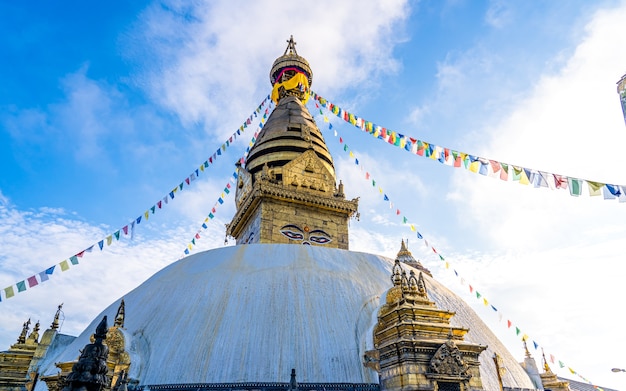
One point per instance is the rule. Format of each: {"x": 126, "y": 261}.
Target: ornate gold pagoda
{"x": 415, "y": 347}
{"x": 287, "y": 192}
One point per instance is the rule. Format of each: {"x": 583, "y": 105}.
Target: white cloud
{"x": 224, "y": 46}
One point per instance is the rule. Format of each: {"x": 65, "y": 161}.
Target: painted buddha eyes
{"x": 320, "y": 237}
{"x": 316, "y": 236}
{"x": 292, "y": 232}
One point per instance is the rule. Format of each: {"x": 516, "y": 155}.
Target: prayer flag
{"x": 21, "y": 286}
{"x": 8, "y": 292}
{"x": 485, "y": 302}
{"x": 575, "y": 186}
{"x": 43, "y": 276}
{"x": 125, "y": 229}
{"x": 64, "y": 266}
{"x": 101, "y": 244}
{"x": 595, "y": 188}
{"x": 109, "y": 240}
{"x": 419, "y": 235}
{"x": 504, "y": 172}
{"x": 74, "y": 260}
{"x": 32, "y": 281}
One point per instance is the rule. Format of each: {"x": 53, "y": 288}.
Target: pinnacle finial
{"x": 291, "y": 46}
{"x": 34, "y": 336}
{"x": 119, "y": 317}
{"x": 25, "y": 327}
{"x": 55, "y": 322}
{"x": 546, "y": 367}
{"x": 526, "y": 348}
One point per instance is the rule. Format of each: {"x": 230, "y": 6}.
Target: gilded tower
{"x": 415, "y": 346}
{"x": 287, "y": 191}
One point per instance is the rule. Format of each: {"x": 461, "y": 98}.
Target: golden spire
{"x": 34, "y": 336}
{"x": 25, "y": 327}
{"x": 526, "y": 348}
{"x": 546, "y": 367}
{"x": 119, "y": 317}
{"x": 55, "y": 322}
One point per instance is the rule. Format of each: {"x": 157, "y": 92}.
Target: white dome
{"x": 250, "y": 313}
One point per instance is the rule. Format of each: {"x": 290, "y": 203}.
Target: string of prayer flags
{"x": 65, "y": 265}
{"x": 225, "y": 191}
{"x": 475, "y": 293}
{"x": 477, "y": 164}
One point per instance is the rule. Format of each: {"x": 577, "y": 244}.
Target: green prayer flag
{"x": 74, "y": 260}
{"x": 575, "y": 186}
{"x": 517, "y": 330}
{"x": 21, "y": 286}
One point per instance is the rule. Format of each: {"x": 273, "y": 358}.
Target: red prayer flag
{"x": 80, "y": 254}
{"x": 197, "y": 236}
{"x": 435, "y": 251}
{"x": 159, "y": 204}
{"x": 187, "y": 180}
{"x": 508, "y": 322}
{"x": 398, "y": 211}
{"x": 471, "y": 289}
{"x": 125, "y": 229}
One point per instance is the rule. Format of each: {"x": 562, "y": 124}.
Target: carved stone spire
{"x": 90, "y": 372}
{"x": 119, "y": 317}
{"x": 55, "y": 322}
{"x": 25, "y": 327}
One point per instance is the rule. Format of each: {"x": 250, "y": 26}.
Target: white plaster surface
{"x": 250, "y": 313}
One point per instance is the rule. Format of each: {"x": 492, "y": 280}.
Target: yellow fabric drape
{"x": 298, "y": 78}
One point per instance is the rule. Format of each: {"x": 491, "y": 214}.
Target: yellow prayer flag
{"x": 189, "y": 246}
{"x": 326, "y": 119}
{"x": 351, "y": 155}
{"x": 109, "y": 240}
{"x": 380, "y": 190}
{"x": 206, "y": 220}
{"x": 175, "y": 189}
{"x": 524, "y": 179}
{"x": 202, "y": 167}
{"x": 146, "y": 215}
{"x": 474, "y": 166}
{"x": 447, "y": 265}
{"x": 412, "y": 228}
{"x": 595, "y": 188}
{"x": 485, "y": 302}
{"x": 64, "y": 265}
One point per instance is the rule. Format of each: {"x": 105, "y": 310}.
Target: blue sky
{"x": 105, "y": 108}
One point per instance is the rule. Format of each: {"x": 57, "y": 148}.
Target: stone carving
{"x": 90, "y": 372}
{"x": 448, "y": 360}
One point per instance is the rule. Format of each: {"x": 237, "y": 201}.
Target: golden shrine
{"x": 287, "y": 191}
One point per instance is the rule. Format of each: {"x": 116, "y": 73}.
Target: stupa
{"x": 290, "y": 306}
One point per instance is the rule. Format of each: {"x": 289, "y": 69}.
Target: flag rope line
{"x": 227, "y": 187}
{"x": 476, "y": 164}
{"x": 128, "y": 229}
{"x": 447, "y": 265}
